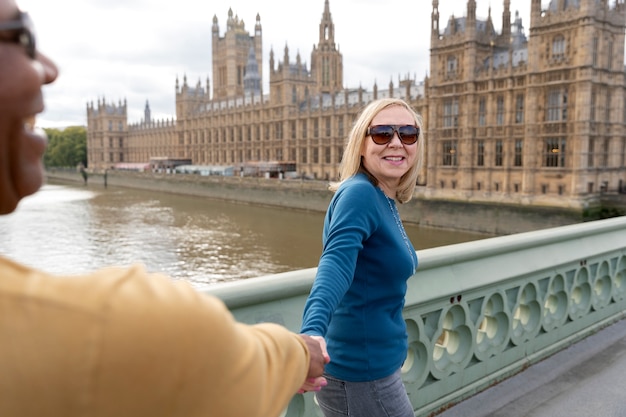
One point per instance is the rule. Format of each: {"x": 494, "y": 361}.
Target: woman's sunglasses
{"x": 22, "y": 27}
{"x": 382, "y": 134}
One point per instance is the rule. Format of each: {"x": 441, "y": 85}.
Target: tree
{"x": 66, "y": 147}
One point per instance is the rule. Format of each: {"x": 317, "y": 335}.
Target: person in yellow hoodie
{"x": 120, "y": 341}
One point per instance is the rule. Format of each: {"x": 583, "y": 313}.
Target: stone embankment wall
{"x": 493, "y": 219}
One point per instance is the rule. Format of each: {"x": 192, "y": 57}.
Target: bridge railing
{"x": 476, "y": 312}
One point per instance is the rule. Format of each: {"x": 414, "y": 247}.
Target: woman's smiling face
{"x": 389, "y": 162}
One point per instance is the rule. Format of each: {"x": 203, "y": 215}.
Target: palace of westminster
{"x": 508, "y": 118}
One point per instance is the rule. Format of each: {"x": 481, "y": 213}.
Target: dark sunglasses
{"x": 382, "y": 134}
{"x": 24, "y": 33}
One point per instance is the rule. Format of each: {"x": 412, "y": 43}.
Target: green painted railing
{"x": 476, "y": 312}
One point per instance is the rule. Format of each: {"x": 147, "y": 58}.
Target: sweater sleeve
{"x": 169, "y": 350}
{"x": 350, "y": 220}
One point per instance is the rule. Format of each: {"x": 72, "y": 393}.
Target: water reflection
{"x": 68, "y": 230}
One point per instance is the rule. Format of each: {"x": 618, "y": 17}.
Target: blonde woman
{"x": 355, "y": 305}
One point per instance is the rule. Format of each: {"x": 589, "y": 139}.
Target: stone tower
{"x": 107, "y": 133}
{"x": 534, "y": 119}
{"x": 230, "y": 56}
{"x": 326, "y": 60}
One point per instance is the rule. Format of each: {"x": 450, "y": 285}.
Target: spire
{"x": 252, "y": 79}
{"x": 434, "y": 20}
{"x": 257, "y": 26}
{"x": 471, "y": 11}
{"x": 506, "y": 20}
{"x": 327, "y": 28}
{"x": 146, "y": 113}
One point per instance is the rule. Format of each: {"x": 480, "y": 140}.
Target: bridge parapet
{"x": 476, "y": 312}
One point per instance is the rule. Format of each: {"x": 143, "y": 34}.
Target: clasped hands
{"x": 319, "y": 357}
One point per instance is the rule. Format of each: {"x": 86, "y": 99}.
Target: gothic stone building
{"x": 509, "y": 118}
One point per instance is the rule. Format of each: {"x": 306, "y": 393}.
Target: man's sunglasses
{"x": 24, "y": 34}
{"x": 382, "y": 134}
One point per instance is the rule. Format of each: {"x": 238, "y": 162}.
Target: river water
{"x": 75, "y": 229}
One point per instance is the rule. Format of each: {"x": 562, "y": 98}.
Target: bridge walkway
{"x": 583, "y": 380}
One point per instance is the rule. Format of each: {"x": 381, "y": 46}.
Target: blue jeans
{"x": 384, "y": 397}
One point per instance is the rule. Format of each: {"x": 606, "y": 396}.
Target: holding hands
{"x": 319, "y": 357}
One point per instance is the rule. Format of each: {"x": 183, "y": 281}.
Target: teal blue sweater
{"x": 358, "y": 294}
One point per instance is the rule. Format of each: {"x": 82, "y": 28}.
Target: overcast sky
{"x": 134, "y": 50}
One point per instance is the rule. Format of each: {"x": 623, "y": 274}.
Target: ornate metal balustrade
{"x": 477, "y": 312}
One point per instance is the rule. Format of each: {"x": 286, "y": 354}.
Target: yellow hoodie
{"x": 122, "y": 342}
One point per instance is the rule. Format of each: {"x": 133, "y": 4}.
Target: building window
{"x": 340, "y": 126}
{"x": 480, "y": 153}
{"x": 327, "y": 127}
{"x": 304, "y": 129}
{"x": 449, "y": 153}
{"x": 500, "y": 110}
{"x": 592, "y": 107}
{"x": 451, "y": 113}
{"x": 591, "y": 152}
{"x": 292, "y": 127}
{"x": 519, "y": 108}
{"x": 519, "y": 152}
{"x": 327, "y": 157}
{"x": 594, "y": 52}
{"x": 557, "y": 105}
{"x": 482, "y": 111}
{"x": 605, "y": 153}
{"x": 316, "y": 128}
{"x": 558, "y": 47}
{"x": 607, "y": 112}
{"x": 499, "y": 153}
{"x": 609, "y": 58}
{"x": 554, "y": 152}
{"x": 325, "y": 72}
{"x": 452, "y": 65}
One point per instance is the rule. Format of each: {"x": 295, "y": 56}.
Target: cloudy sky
{"x": 134, "y": 50}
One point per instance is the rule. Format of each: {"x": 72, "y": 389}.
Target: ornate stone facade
{"x": 538, "y": 120}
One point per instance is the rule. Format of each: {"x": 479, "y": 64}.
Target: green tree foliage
{"x": 66, "y": 147}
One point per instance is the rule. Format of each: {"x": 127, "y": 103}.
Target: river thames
{"x": 75, "y": 229}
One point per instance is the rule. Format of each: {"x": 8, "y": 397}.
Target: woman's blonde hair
{"x": 351, "y": 163}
